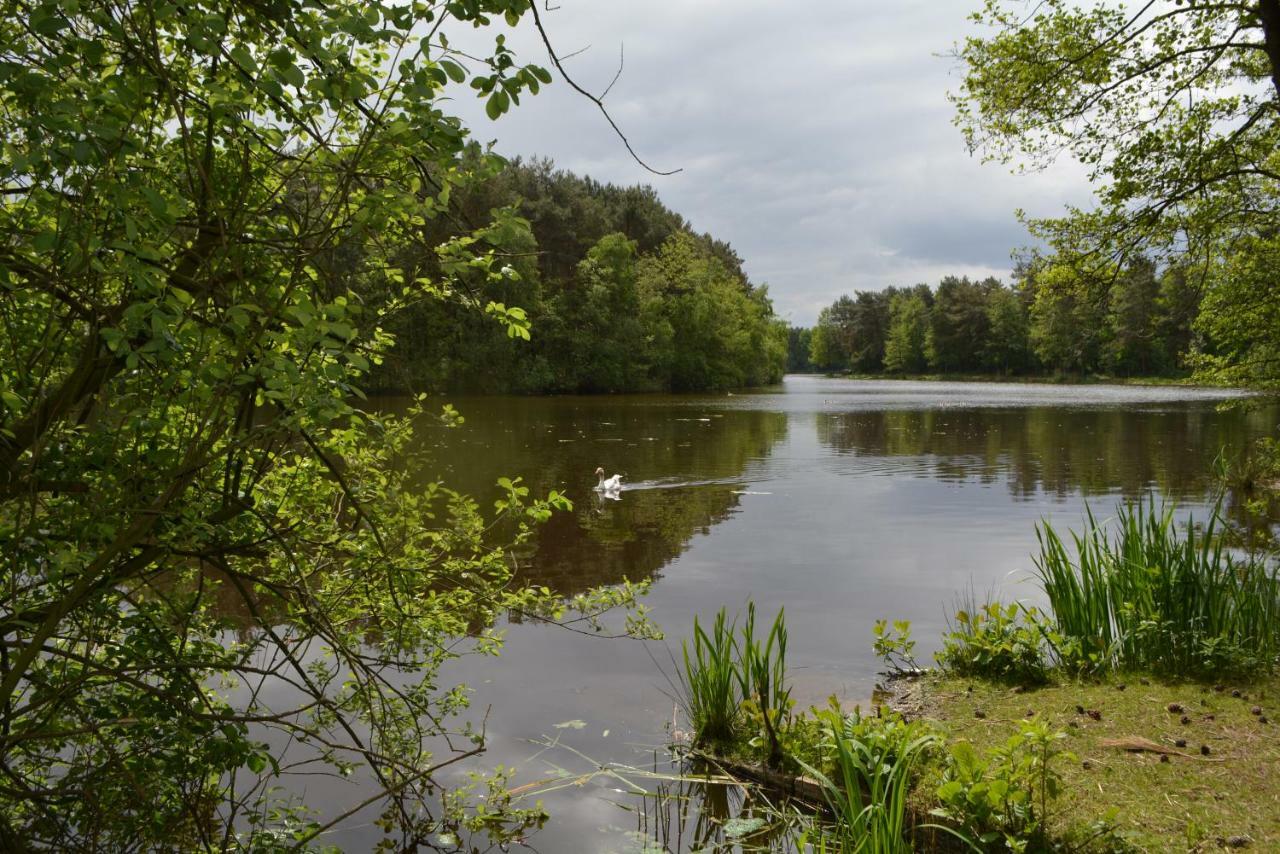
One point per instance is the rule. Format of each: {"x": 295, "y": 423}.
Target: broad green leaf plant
{"x": 211, "y": 547}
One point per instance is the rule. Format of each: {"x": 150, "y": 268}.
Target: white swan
{"x": 608, "y": 484}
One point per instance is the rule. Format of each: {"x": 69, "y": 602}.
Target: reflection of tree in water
{"x": 1053, "y": 450}
{"x": 556, "y": 443}
{"x": 633, "y": 538}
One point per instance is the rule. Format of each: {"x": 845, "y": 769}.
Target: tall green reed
{"x": 728, "y": 669}
{"x": 711, "y": 681}
{"x": 762, "y": 676}
{"x": 1147, "y": 594}
{"x": 873, "y": 761}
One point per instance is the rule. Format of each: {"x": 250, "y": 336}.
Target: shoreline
{"x": 1032, "y": 379}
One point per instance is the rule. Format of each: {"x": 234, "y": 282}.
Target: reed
{"x": 728, "y": 669}
{"x": 1148, "y": 594}
{"x": 762, "y": 668}
{"x": 711, "y": 681}
{"x": 873, "y": 762}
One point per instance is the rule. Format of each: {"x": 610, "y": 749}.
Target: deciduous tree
{"x": 199, "y": 208}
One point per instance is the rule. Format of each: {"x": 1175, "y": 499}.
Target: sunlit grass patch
{"x": 1187, "y": 801}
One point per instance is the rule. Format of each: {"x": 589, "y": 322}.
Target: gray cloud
{"x": 816, "y": 137}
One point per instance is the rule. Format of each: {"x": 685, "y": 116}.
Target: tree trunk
{"x": 1269, "y": 13}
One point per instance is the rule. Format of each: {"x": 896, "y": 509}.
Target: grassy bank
{"x": 1132, "y": 762}
{"x": 1132, "y": 715}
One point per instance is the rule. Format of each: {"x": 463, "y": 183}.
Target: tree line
{"x": 1135, "y": 320}
{"x": 615, "y": 292}
{"x": 1175, "y": 111}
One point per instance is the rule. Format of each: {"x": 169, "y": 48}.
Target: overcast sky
{"x": 815, "y": 136}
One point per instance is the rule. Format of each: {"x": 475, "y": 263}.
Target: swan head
{"x": 599, "y": 472}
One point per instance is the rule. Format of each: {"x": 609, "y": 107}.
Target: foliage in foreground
{"x": 869, "y": 766}
{"x": 1141, "y": 593}
{"x": 996, "y": 641}
{"x": 218, "y": 573}
{"x": 1121, "y": 88}
{"x": 1001, "y": 801}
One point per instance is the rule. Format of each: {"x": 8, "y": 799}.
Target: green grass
{"x": 1146, "y": 594}
{"x": 1187, "y": 803}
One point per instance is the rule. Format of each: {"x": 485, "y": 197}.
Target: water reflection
{"x": 1057, "y": 451}
{"x": 683, "y": 470}
{"x": 844, "y": 502}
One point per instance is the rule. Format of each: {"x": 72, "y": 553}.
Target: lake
{"x": 844, "y": 501}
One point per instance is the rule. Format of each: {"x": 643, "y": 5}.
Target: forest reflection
{"x": 1050, "y": 450}
{"x": 693, "y": 457}
{"x": 687, "y": 460}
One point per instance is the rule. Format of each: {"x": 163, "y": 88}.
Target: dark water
{"x": 842, "y": 501}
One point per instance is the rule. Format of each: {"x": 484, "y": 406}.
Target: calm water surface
{"x": 843, "y": 501}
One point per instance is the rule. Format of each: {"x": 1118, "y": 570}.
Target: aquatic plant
{"x": 731, "y": 673}
{"x": 711, "y": 681}
{"x": 761, "y": 670}
{"x": 1152, "y": 595}
{"x": 872, "y": 761}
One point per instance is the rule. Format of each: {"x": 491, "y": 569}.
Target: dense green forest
{"x": 1139, "y": 320}
{"x": 619, "y": 293}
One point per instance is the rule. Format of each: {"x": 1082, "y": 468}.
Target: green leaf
{"x": 293, "y": 75}
{"x": 455, "y": 71}
{"x": 495, "y": 106}
{"x": 244, "y": 58}
{"x": 155, "y": 201}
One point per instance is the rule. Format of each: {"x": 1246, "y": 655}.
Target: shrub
{"x": 1001, "y": 801}
{"x": 995, "y": 641}
{"x": 895, "y": 647}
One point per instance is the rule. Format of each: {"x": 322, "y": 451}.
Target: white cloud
{"x": 816, "y": 137}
